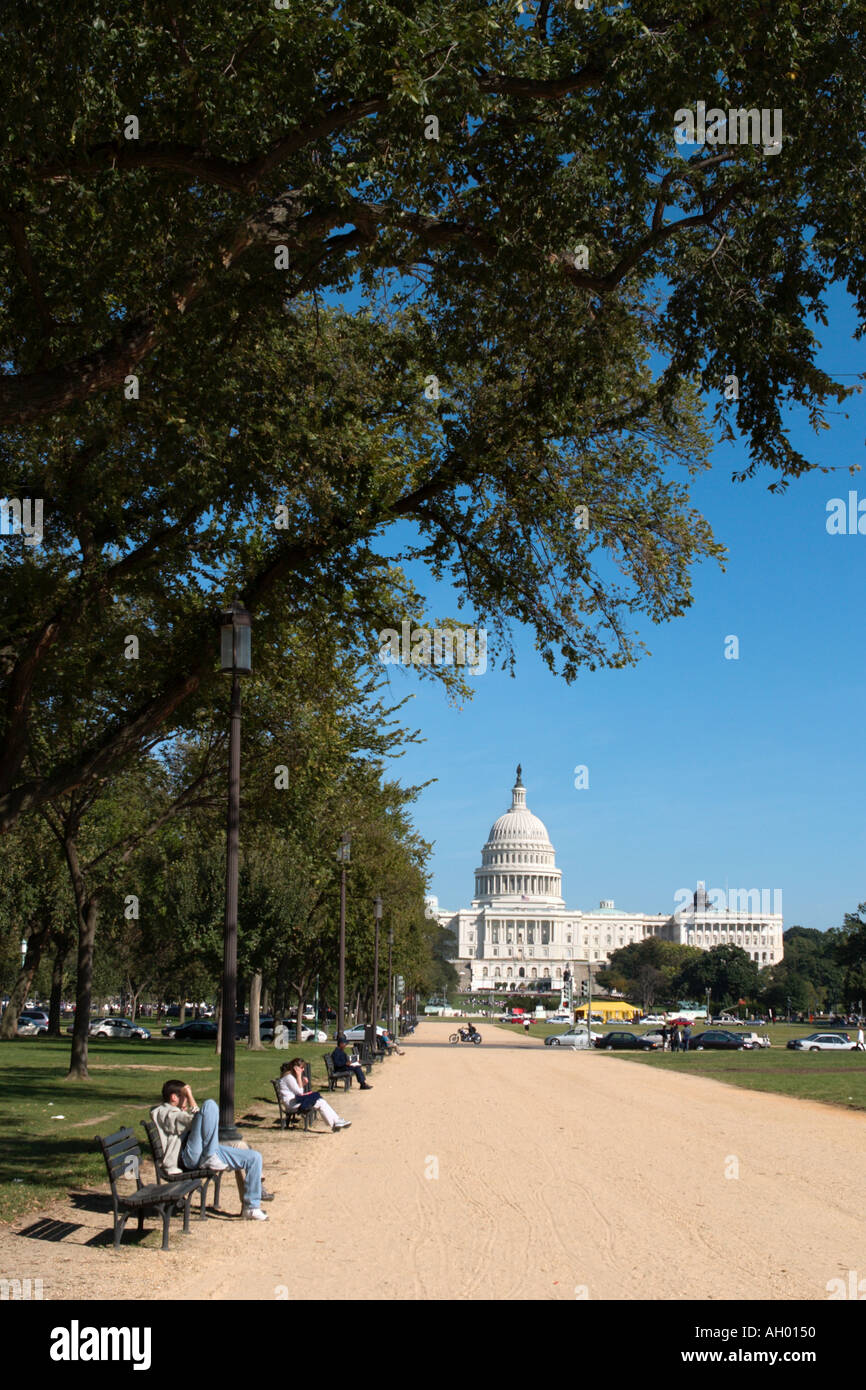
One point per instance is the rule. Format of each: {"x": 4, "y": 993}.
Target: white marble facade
{"x": 518, "y": 933}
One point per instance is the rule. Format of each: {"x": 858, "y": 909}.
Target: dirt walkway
{"x": 512, "y": 1171}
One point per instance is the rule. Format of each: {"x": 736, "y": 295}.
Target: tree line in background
{"x": 118, "y": 887}
{"x": 821, "y": 971}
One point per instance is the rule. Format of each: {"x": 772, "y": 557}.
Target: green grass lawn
{"x": 41, "y": 1157}
{"x": 837, "y": 1078}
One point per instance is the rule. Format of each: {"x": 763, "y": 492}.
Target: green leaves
{"x": 456, "y": 259}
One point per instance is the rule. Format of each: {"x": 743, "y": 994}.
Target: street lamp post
{"x": 390, "y": 984}
{"x": 235, "y": 659}
{"x": 377, "y": 913}
{"x": 344, "y": 854}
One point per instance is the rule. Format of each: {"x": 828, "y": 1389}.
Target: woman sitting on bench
{"x": 293, "y": 1089}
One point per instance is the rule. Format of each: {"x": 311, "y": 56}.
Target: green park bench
{"x": 122, "y": 1155}
{"x": 334, "y": 1075}
{"x": 289, "y": 1118}
{"x": 170, "y": 1175}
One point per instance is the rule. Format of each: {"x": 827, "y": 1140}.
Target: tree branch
{"x": 14, "y": 222}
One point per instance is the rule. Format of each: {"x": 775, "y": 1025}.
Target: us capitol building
{"x": 519, "y": 934}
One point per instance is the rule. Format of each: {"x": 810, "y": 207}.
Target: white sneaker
{"x": 214, "y": 1164}
{"x": 255, "y": 1214}
{"x": 342, "y": 1124}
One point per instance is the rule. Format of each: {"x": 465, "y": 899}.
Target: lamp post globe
{"x": 236, "y": 661}
{"x": 236, "y": 639}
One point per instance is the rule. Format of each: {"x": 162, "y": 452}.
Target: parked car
{"x": 356, "y": 1034}
{"x": 119, "y": 1028}
{"x": 30, "y": 1027}
{"x": 199, "y": 1030}
{"x": 755, "y": 1040}
{"x": 652, "y": 1018}
{"x": 308, "y": 1032}
{"x": 716, "y": 1039}
{"x": 573, "y": 1037}
{"x": 823, "y": 1042}
{"x": 559, "y": 1018}
{"x": 625, "y": 1041}
{"x": 37, "y": 1015}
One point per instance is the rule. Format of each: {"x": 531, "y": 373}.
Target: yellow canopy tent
{"x": 617, "y": 1009}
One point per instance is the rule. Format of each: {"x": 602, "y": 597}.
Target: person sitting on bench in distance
{"x": 190, "y": 1138}
{"x": 388, "y": 1044}
{"x": 342, "y": 1062}
{"x": 293, "y": 1089}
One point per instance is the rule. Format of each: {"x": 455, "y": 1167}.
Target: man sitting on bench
{"x": 342, "y": 1062}
{"x": 190, "y": 1138}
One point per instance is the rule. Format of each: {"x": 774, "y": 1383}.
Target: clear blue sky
{"x": 744, "y": 773}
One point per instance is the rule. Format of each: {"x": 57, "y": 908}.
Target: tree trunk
{"x": 87, "y": 914}
{"x": 182, "y": 1014}
{"x": 299, "y": 1026}
{"x": 36, "y": 942}
{"x": 60, "y": 954}
{"x": 254, "y": 1042}
{"x": 219, "y": 1024}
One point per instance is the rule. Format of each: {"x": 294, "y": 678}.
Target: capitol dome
{"x": 518, "y": 861}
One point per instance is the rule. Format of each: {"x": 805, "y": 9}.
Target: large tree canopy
{"x": 541, "y": 282}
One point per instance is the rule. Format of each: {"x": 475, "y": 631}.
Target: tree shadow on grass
{"x": 45, "y": 1162}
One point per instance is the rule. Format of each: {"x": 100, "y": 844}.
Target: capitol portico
{"x": 519, "y": 934}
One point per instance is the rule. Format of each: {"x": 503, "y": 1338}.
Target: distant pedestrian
{"x": 861, "y": 1044}
{"x": 675, "y": 1039}
{"x": 687, "y": 1037}
{"x": 665, "y": 1038}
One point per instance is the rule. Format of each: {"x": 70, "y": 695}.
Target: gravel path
{"x": 507, "y": 1171}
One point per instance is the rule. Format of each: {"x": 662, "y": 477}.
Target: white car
{"x": 357, "y": 1033}
{"x": 755, "y": 1040}
{"x": 308, "y": 1033}
{"x": 30, "y": 1027}
{"x": 652, "y": 1018}
{"x": 824, "y": 1042}
{"x": 36, "y": 1016}
{"x": 575, "y": 1038}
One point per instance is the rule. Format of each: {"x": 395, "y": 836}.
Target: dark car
{"x": 202, "y": 1030}
{"x": 717, "y": 1038}
{"x": 199, "y": 1030}
{"x": 624, "y": 1041}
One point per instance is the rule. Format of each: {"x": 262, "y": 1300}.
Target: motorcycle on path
{"x": 466, "y": 1035}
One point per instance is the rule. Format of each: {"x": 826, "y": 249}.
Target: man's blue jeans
{"x": 203, "y": 1140}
